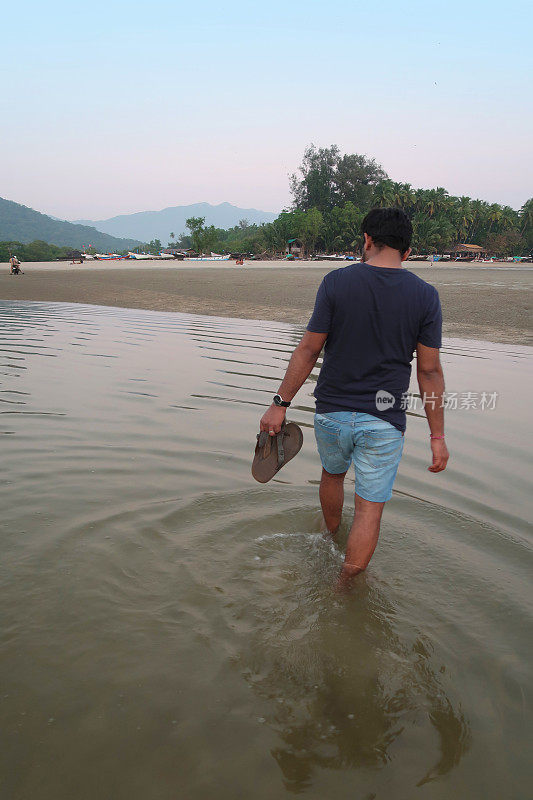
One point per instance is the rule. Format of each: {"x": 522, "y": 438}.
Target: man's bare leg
{"x": 332, "y": 499}
{"x": 362, "y": 540}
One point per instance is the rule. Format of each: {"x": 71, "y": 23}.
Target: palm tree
{"x": 495, "y": 215}
{"x": 435, "y": 200}
{"x": 278, "y": 232}
{"x": 464, "y": 217}
{"x": 402, "y": 195}
{"x": 477, "y": 207}
{"x": 431, "y": 234}
{"x": 406, "y": 197}
{"x": 384, "y": 194}
{"x": 526, "y": 215}
{"x": 509, "y": 218}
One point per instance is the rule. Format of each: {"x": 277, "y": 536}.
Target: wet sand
{"x": 491, "y": 303}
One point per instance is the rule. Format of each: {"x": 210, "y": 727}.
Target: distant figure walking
{"x": 15, "y": 266}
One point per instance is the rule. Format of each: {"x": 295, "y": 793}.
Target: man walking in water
{"x": 370, "y": 317}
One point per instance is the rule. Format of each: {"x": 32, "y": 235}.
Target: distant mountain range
{"x": 19, "y": 223}
{"x": 22, "y": 224}
{"x": 148, "y": 225}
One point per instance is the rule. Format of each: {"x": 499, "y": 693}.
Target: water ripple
{"x": 160, "y": 606}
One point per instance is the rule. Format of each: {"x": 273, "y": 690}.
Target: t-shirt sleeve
{"x": 430, "y": 332}
{"x": 320, "y": 321}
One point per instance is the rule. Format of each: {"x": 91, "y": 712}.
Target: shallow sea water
{"x": 168, "y": 626}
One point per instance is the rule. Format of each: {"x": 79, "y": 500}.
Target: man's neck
{"x": 385, "y": 262}
{"x": 386, "y": 257}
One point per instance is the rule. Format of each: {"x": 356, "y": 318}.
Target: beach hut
{"x": 294, "y": 248}
{"x": 467, "y": 252}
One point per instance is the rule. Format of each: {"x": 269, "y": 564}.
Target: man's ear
{"x": 368, "y": 240}
{"x": 407, "y": 254}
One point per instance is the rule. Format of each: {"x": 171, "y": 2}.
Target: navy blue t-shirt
{"x": 374, "y": 318}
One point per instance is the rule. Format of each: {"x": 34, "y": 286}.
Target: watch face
{"x": 277, "y": 400}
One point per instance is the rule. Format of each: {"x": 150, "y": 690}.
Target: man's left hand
{"x": 440, "y": 455}
{"x": 272, "y": 419}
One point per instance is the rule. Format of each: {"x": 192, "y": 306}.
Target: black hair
{"x": 389, "y": 227}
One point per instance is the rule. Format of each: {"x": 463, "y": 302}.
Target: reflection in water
{"x": 341, "y": 684}
{"x": 169, "y": 628}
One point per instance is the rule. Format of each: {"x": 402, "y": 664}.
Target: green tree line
{"x": 333, "y": 192}
{"x": 331, "y": 195}
{"x": 43, "y": 251}
{"x": 35, "y": 251}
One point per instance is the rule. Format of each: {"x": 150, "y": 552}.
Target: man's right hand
{"x": 440, "y": 455}
{"x": 272, "y": 419}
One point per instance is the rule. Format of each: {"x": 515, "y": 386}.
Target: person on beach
{"x": 14, "y": 267}
{"x": 370, "y": 317}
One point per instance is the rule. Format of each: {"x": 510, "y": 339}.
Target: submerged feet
{"x": 347, "y": 576}
{"x": 329, "y": 534}
{"x": 364, "y": 532}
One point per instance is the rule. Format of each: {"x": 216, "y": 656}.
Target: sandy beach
{"x": 483, "y": 302}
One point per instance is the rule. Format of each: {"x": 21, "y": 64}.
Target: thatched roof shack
{"x": 468, "y": 249}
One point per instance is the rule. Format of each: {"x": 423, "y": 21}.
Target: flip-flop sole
{"x": 265, "y": 463}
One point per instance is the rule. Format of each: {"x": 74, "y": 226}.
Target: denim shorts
{"x": 374, "y": 445}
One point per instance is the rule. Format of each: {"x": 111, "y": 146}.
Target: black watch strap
{"x": 279, "y": 402}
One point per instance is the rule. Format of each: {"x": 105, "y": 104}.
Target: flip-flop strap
{"x": 264, "y": 442}
{"x": 262, "y": 438}
{"x": 281, "y": 449}
{"x": 279, "y": 442}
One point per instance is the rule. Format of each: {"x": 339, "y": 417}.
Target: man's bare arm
{"x": 431, "y": 384}
{"x": 302, "y": 362}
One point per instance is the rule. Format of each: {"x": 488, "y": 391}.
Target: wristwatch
{"x": 279, "y": 402}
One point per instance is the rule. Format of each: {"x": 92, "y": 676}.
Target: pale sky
{"x": 115, "y": 107}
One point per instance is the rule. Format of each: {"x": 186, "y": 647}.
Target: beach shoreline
{"x": 479, "y": 302}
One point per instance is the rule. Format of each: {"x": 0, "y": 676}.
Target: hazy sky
{"x": 112, "y": 107}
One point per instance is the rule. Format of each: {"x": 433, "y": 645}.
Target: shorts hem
{"x": 373, "y": 499}
{"x": 340, "y": 472}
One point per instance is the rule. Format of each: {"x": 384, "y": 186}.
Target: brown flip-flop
{"x": 273, "y": 452}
